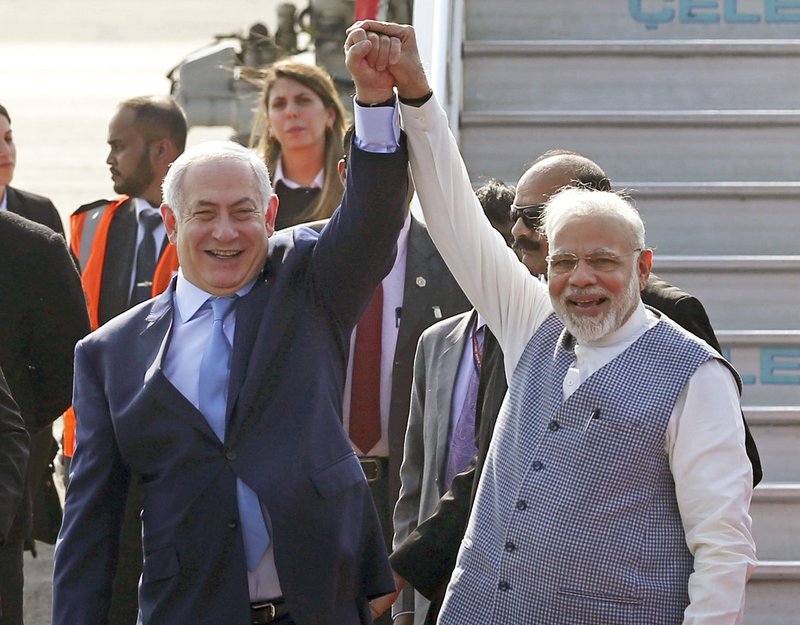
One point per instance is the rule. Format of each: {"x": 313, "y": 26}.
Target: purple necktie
{"x": 462, "y": 438}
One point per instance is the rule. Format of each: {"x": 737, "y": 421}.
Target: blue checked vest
{"x": 575, "y": 521}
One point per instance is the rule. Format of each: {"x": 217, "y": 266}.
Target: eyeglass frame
{"x": 531, "y": 221}
{"x": 588, "y": 259}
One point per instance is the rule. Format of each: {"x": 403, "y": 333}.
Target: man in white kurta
{"x": 516, "y": 570}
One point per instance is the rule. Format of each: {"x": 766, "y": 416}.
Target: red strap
{"x": 366, "y": 10}
{"x": 365, "y": 392}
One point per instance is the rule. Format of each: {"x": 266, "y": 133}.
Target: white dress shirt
{"x": 393, "y": 286}
{"x": 705, "y": 434}
{"x": 317, "y": 183}
{"x": 159, "y": 234}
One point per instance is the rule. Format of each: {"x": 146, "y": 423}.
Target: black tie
{"x": 145, "y": 258}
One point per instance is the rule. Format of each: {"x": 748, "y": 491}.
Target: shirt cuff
{"x": 377, "y": 127}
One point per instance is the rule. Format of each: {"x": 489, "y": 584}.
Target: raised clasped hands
{"x": 381, "y": 56}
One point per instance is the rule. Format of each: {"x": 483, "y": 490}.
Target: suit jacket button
{"x": 233, "y": 524}
{"x": 230, "y": 454}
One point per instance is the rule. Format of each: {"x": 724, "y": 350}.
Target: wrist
{"x": 416, "y": 101}
{"x": 389, "y": 102}
{"x": 375, "y": 98}
{"x": 416, "y": 88}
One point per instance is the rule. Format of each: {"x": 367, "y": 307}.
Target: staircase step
{"x": 772, "y": 594}
{"x": 590, "y": 19}
{"x": 739, "y": 291}
{"x": 776, "y": 430}
{"x": 769, "y": 364}
{"x": 718, "y": 217}
{"x": 630, "y": 75}
{"x": 775, "y": 509}
{"x": 662, "y": 146}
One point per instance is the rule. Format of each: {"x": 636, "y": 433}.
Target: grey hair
{"x": 580, "y": 202}
{"x": 212, "y": 151}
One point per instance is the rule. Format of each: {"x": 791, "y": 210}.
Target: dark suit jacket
{"x": 43, "y": 314}
{"x": 34, "y": 207}
{"x": 44, "y": 498}
{"x": 283, "y": 438}
{"x": 427, "y": 558}
{"x": 430, "y": 294}
{"x": 13, "y": 458}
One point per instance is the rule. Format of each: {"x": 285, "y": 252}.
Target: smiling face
{"x": 222, "y": 234}
{"x": 594, "y": 303}
{"x": 297, "y": 116}
{"x": 8, "y": 153}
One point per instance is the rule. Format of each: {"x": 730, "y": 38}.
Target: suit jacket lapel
{"x": 418, "y": 276}
{"x": 118, "y": 264}
{"x": 249, "y": 312}
{"x": 16, "y": 204}
{"x": 151, "y": 348}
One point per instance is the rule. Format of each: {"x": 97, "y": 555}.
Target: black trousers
{"x": 11, "y": 582}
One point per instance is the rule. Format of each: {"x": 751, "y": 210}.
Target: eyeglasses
{"x": 604, "y": 263}
{"x": 529, "y": 214}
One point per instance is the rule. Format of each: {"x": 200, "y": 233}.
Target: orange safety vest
{"x": 90, "y": 228}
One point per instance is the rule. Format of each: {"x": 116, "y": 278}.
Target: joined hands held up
{"x": 382, "y": 55}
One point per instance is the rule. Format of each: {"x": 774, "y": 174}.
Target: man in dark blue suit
{"x": 310, "y": 552}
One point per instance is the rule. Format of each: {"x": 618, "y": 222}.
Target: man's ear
{"x": 643, "y": 266}
{"x": 341, "y": 167}
{"x": 271, "y": 214}
{"x": 170, "y": 223}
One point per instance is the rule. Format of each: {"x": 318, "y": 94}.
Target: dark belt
{"x": 374, "y": 467}
{"x": 262, "y": 612}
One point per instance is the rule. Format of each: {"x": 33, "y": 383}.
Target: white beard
{"x": 590, "y": 329}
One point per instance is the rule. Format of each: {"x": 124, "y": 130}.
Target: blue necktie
{"x": 213, "y": 399}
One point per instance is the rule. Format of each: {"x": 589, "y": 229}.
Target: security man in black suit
{"x": 42, "y": 317}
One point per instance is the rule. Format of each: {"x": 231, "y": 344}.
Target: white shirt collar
{"x": 279, "y": 175}
{"x": 141, "y": 205}
{"x": 636, "y": 325}
{"x": 402, "y": 243}
{"x": 189, "y": 298}
{"x": 4, "y": 201}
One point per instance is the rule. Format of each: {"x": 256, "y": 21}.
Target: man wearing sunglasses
{"x": 547, "y": 174}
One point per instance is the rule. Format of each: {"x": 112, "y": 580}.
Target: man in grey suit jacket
{"x": 438, "y": 365}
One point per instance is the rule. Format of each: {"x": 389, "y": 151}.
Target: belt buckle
{"x": 264, "y": 606}
{"x": 372, "y": 469}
